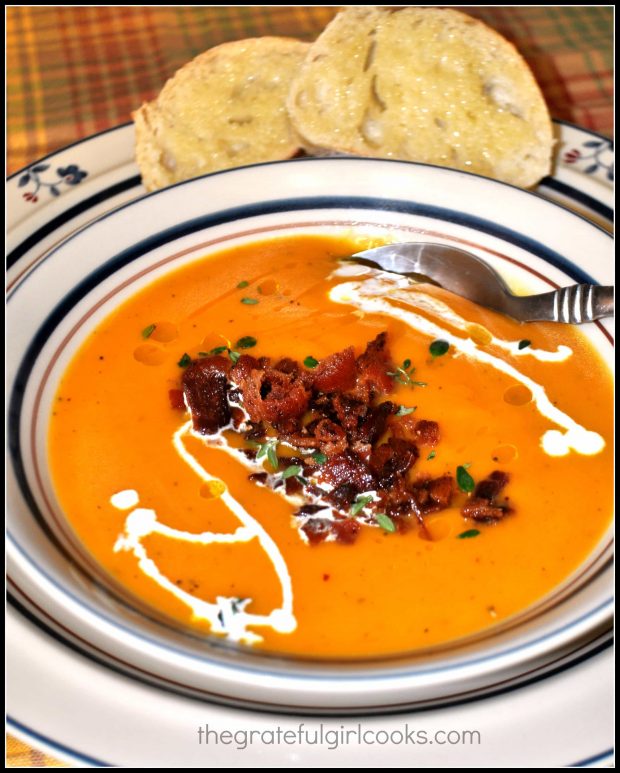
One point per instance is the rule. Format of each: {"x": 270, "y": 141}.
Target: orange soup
{"x": 192, "y": 523}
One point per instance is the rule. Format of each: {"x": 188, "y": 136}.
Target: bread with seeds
{"x": 430, "y": 85}
{"x": 223, "y": 109}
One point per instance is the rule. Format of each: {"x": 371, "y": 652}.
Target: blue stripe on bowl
{"x": 327, "y": 202}
{"x": 236, "y": 666}
{"x": 68, "y": 215}
{"x": 583, "y": 652}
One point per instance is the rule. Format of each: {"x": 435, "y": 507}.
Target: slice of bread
{"x": 423, "y": 84}
{"x": 225, "y": 108}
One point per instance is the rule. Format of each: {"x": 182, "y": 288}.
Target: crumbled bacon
{"x": 346, "y": 530}
{"x": 393, "y": 459}
{"x": 205, "y": 386}
{"x": 177, "y": 402}
{"x": 355, "y": 450}
{"x": 332, "y": 439}
{"x": 347, "y": 468}
{"x": 270, "y": 395}
{"x": 426, "y": 432}
{"x": 375, "y": 422}
{"x": 482, "y": 506}
{"x": 373, "y": 367}
{"x": 336, "y": 373}
{"x": 317, "y": 529}
{"x": 432, "y": 495}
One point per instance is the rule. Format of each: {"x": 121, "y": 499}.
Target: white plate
{"x": 62, "y": 207}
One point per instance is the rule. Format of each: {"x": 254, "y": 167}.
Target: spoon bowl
{"x": 470, "y": 277}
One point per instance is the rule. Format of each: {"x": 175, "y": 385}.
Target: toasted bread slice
{"x": 423, "y": 84}
{"x": 225, "y": 108}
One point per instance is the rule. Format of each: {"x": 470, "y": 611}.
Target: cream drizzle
{"x": 227, "y": 616}
{"x": 403, "y": 288}
{"x": 374, "y": 295}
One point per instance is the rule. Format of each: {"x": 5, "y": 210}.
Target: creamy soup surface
{"x": 173, "y": 517}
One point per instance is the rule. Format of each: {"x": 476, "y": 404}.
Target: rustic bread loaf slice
{"x": 225, "y": 108}
{"x": 423, "y": 84}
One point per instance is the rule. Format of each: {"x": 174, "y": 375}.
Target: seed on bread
{"x": 225, "y": 108}
{"x": 422, "y": 84}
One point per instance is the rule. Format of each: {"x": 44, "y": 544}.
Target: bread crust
{"x": 225, "y": 108}
{"x": 423, "y": 84}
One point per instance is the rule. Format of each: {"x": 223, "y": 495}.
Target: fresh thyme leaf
{"x": 464, "y": 480}
{"x": 404, "y": 410}
{"x": 148, "y": 331}
{"x": 432, "y": 455}
{"x": 184, "y": 361}
{"x": 249, "y": 301}
{"x": 303, "y": 481}
{"x": 438, "y": 348}
{"x": 218, "y": 350}
{"x": 242, "y": 284}
{"x": 247, "y": 342}
{"x": 234, "y": 356}
{"x": 524, "y": 343}
{"x": 310, "y": 362}
{"x": 272, "y": 455}
{"x": 385, "y": 522}
{"x": 203, "y": 354}
{"x": 293, "y": 471}
{"x": 268, "y": 449}
{"x": 468, "y": 534}
{"x": 319, "y": 457}
{"x": 403, "y": 375}
{"x": 360, "y": 503}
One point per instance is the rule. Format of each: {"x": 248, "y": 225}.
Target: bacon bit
{"x": 372, "y": 370}
{"x": 433, "y": 495}
{"x": 392, "y": 459}
{"x": 286, "y": 365}
{"x": 375, "y": 423}
{"x": 348, "y": 411}
{"x": 176, "y": 399}
{"x": 243, "y": 368}
{"x": 270, "y": 395}
{"x": 336, "y": 373}
{"x": 237, "y": 417}
{"x": 427, "y": 432}
{"x": 205, "y": 386}
{"x": 317, "y": 530}
{"x": 482, "y": 507}
{"x": 347, "y": 468}
{"x": 346, "y": 530}
{"x": 332, "y": 439}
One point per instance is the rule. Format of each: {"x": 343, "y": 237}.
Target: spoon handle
{"x": 574, "y": 305}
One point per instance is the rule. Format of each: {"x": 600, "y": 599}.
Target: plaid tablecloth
{"x": 74, "y": 71}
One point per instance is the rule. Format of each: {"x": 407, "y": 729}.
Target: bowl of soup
{"x": 247, "y": 470}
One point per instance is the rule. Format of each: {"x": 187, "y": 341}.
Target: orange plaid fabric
{"x": 73, "y": 71}
{"x": 20, "y": 755}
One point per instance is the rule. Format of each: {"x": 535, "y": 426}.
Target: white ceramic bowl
{"x": 57, "y": 304}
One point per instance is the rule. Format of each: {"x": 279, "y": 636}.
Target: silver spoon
{"x": 464, "y": 274}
